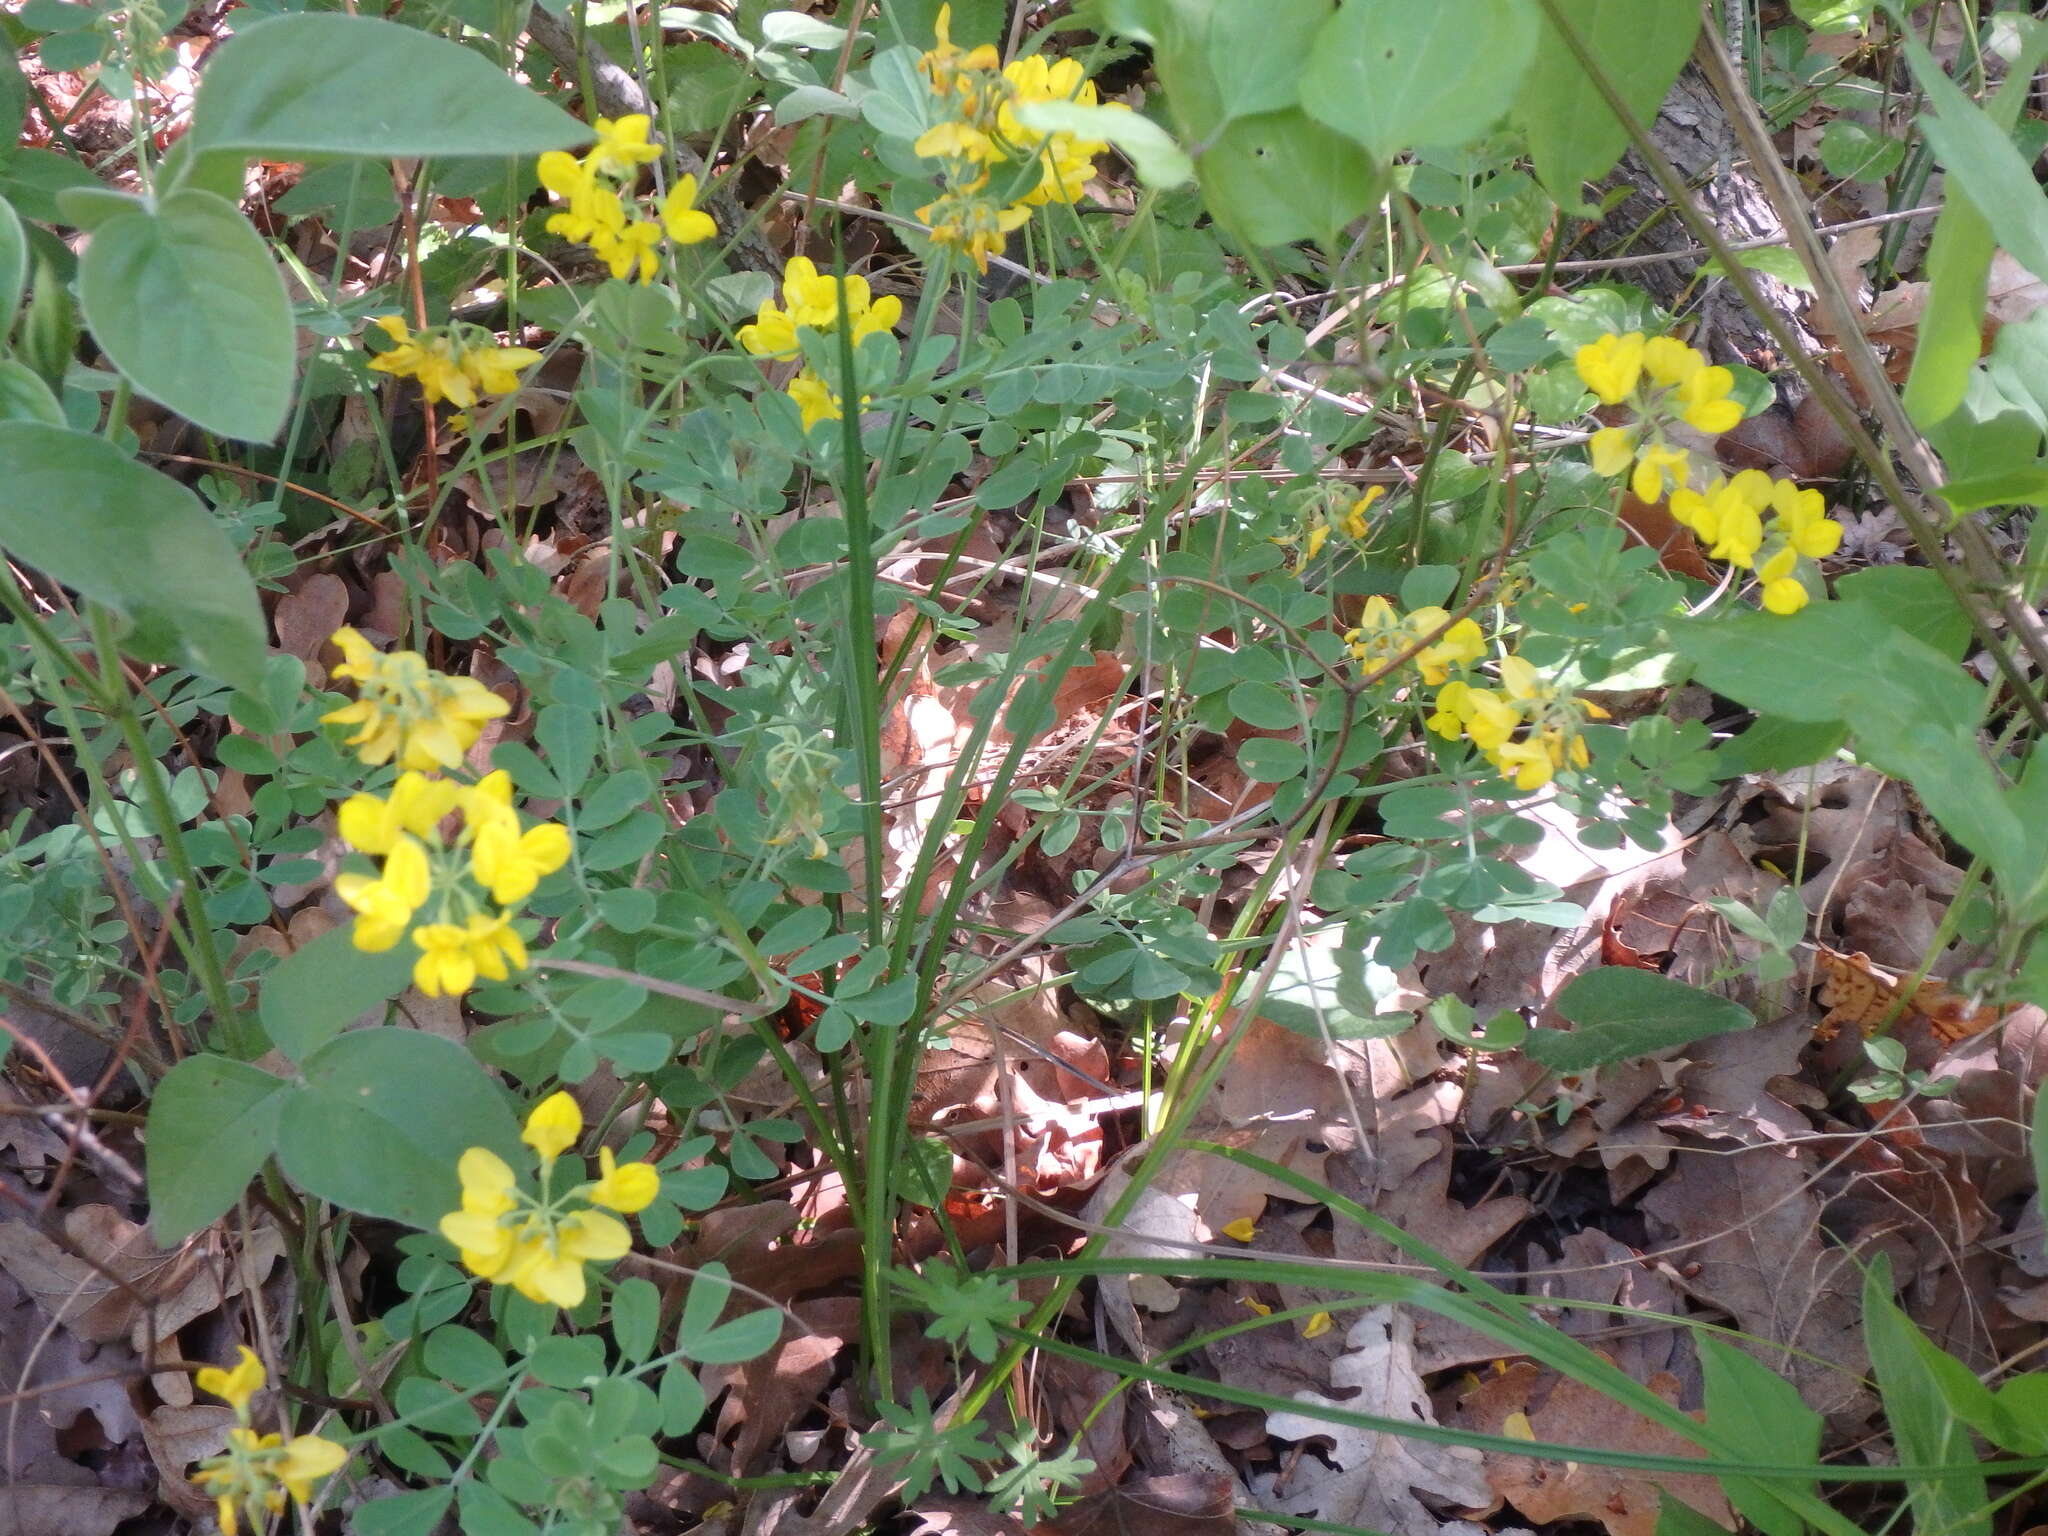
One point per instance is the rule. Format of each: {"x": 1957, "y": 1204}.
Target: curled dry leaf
{"x": 1567, "y": 1412}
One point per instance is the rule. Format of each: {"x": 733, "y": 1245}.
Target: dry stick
{"x": 1694, "y": 252}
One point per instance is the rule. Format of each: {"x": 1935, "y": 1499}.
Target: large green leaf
{"x": 1618, "y": 1013}
{"x": 1281, "y": 177}
{"x": 188, "y": 303}
{"x": 315, "y": 992}
{"x": 1951, "y": 327}
{"x": 382, "y": 1118}
{"x": 1574, "y": 136}
{"x": 330, "y": 84}
{"x": 212, "y": 1122}
{"x": 1392, "y": 74}
{"x": 76, "y": 507}
{"x": 1760, "y": 1416}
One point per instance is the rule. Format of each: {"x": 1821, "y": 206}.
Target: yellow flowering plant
{"x": 994, "y": 169}
{"x": 257, "y": 1471}
{"x": 456, "y": 363}
{"x": 1663, "y": 380}
{"x": 821, "y": 303}
{"x": 598, "y": 206}
{"x": 539, "y": 1242}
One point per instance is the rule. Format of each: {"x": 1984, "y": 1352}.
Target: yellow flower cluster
{"x": 406, "y": 710}
{"x": 457, "y": 363}
{"x": 1728, "y": 516}
{"x": 1663, "y": 379}
{"x": 256, "y": 1471}
{"x": 599, "y": 209}
{"x": 1353, "y": 522}
{"x": 981, "y": 136}
{"x": 538, "y": 1244}
{"x": 1526, "y": 728}
{"x": 816, "y": 301}
{"x": 1382, "y": 635}
{"x": 470, "y": 878}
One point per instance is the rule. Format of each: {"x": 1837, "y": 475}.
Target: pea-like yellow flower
{"x": 406, "y": 710}
{"x": 625, "y": 1187}
{"x": 453, "y": 956}
{"x": 1610, "y": 366}
{"x": 1704, "y": 400}
{"x": 817, "y": 301}
{"x": 1659, "y": 467}
{"x": 415, "y": 807}
{"x": 1382, "y": 634}
{"x": 970, "y": 223}
{"x": 815, "y": 401}
{"x": 236, "y": 1386}
{"x": 257, "y": 1471}
{"x": 681, "y": 219}
{"x": 553, "y": 1126}
{"x": 460, "y": 371}
{"x": 1613, "y": 450}
{"x": 622, "y": 144}
{"x": 507, "y": 862}
{"x": 1526, "y": 728}
{"x": 540, "y": 1244}
{"x": 1355, "y": 522}
{"x": 384, "y": 906}
{"x": 944, "y": 63}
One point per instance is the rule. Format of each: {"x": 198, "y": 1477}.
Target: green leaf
{"x": 1773, "y": 744}
{"x": 327, "y": 83}
{"x": 1774, "y": 261}
{"x": 1986, "y": 166}
{"x": 402, "y": 1514}
{"x": 1392, "y": 74}
{"x": 319, "y": 989}
{"x": 32, "y": 179}
{"x": 13, "y": 265}
{"x": 1618, "y": 1013}
{"x": 13, "y": 93}
{"x": 1574, "y": 136}
{"x": 1760, "y": 1416}
{"x": 1281, "y": 177}
{"x": 636, "y": 1315}
{"x": 188, "y": 303}
{"x": 1152, "y": 151}
{"x": 1915, "y": 599}
{"x": 136, "y": 541}
{"x": 25, "y": 397}
{"x": 1917, "y": 1381}
{"x": 212, "y": 1122}
{"x": 1256, "y": 53}
{"x": 1950, "y": 336}
{"x": 1852, "y": 152}
{"x": 382, "y": 1118}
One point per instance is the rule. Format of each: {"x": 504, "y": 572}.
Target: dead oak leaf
{"x": 1367, "y": 1478}
{"x": 1575, "y": 1414}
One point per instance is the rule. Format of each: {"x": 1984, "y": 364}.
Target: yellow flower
{"x": 772, "y": 334}
{"x": 1802, "y": 518}
{"x": 431, "y": 359}
{"x": 1785, "y": 596}
{"x": 945, "y": 62}
{"x": 426, "y": 719}
{"x": 622, "y": 144}
{"x": 553, "y": 1126}
{"x": 495, "y": 370}
{"x": 1318, "y": 536}
{"x": 488, "y": 1188}
{"x": 1354, "y": 521}
{"x": 1319, "y": 1323}
{"x": 972, "y": 224}
{"x": 955, "y": 140}
{"x": 1613, "y": 449}
{"x": 684, "y": 222}
{"x": 452, "y": 957}
{"x": 1659, "y": 466}
{"x": 417, "y": 804}
{"x": 1669, "y": 361}
{"x": 384, "y": 907}
{"x": 507, "y": 862}
{"x": 1242, "y": 1230}
{"x": 257, "y": 1471}
{"x": 625, "y": 1187}
{"x": 1459, "y": 645}
{"x": 236, "y": 1386}
{"x": 1611, "y": 367}
{"x": 307, "y": 1459}
{"x": 1704, "y": 400}
{"x": 550, "y": 1269}
{"x": 1525, "y": 764}
{"x": 813, "y": 399}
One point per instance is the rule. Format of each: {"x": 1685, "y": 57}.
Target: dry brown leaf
{"x": 1366, "y": 1478}
{"x": 51, "y": 1509}
{"x": 305, "y": 618}
{"x": 767, "y": 1395}
{"x": 1572, "y": 1413}
{"x": 1174, "y": 1504}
